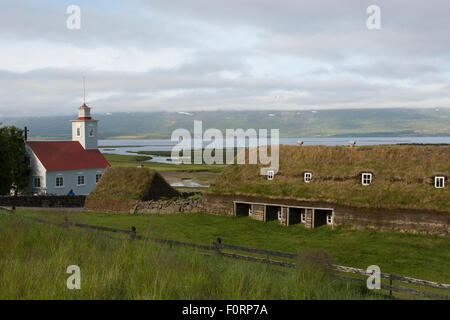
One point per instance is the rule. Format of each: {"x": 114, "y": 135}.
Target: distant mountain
{"x": 320, "y": 123}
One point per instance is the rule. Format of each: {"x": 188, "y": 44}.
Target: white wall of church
{"x": 37, "y": 171}
{"x": 70, "y": 181}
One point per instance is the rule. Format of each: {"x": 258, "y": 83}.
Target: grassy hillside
{"x": 34, "y": 258}
{"x": 356, "y": 122}
{"x": 402, "y": 176}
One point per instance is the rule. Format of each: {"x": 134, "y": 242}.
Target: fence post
{"x": 390, "y": 284}
{"x": 216, "y": 245}
{"x": 133, "y": 233}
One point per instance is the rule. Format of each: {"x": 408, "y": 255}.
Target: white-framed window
{"x": 37, "y": 182}
{"x": 59, "y": 182}
{"x": 439, "y": 182}
{"x": 97, "y": 177}
{"x": 307, "y": 177}
{"x": 330, "y": 218}
{"x": 270, "y": 174}
{"x": 366, "y": 179}
{"x": 303, "y": 217}
{"x": 80, "y": 181}
{"x": 78, "y": 132}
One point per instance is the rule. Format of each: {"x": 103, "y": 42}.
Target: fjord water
{"x": 122, "y": 146}
{"x": 129, "y": 146}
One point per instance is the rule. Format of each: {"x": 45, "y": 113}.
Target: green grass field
{"x": 34, "y": 258}
{"x": 420, "y": 256}
{"x": 131, "y": 161}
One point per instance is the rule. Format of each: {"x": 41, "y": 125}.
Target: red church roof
{"x": 67, "y": 155}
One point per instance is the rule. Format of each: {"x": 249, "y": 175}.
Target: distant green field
{"x": 154, "y": 153}
{"x": 131, "y": 161}
{"x": 419, "y": 256}
{"x": 34, "y": 258}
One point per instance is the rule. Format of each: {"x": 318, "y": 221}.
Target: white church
{"x": 60, "y": 167}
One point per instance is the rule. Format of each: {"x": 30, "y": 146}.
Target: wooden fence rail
{"x": 339, "y": 268}
{"x": 218, "y": 247}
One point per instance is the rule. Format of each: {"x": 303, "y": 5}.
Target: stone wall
{"x": 258, "y": 212}
{"x": 174, "y": 205}
{"x": 43, "y": 201}
{"x": 218, "y": 204}
{"x": 401, "y": 220}
{"x": 168, "y": 206}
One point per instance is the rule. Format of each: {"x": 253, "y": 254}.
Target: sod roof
{"x": 403, "y": 176}
{"x": 128, "y": 183}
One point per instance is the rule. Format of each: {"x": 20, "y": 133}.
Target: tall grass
{"x": 413, "y": 255}
{"x": 34, "y": 258}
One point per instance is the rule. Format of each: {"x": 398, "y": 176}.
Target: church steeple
{"x": 84, "y": 128}
{"x": 84, "y": 112}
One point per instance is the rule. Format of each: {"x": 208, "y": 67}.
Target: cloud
{"x": 203, "y": 55}
{"x": 48, "y": 91}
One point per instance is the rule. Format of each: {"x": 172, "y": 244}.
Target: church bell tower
{"x": 84, "y": 128}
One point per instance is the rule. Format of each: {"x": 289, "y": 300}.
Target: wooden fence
{"x": 218, "y": 248}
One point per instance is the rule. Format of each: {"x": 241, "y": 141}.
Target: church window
{"x": 37, "y": 182}
{"x": 80, "y": 181}
{"x": 59, "y": 181}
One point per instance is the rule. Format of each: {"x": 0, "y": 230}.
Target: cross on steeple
{"x": 84, "y": 90}
{"x": 25, "y": 132}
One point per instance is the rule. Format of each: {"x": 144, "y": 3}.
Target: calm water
{"x": 123, "y": 146}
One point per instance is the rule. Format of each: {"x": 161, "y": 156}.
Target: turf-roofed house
{"x": 121, "y": 189}
{"x": 68, "y": 167}
{"x": 392, "y": 187}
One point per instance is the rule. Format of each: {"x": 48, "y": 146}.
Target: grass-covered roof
{"x": 403, "y": 176}
{"x": 128, "y": 183}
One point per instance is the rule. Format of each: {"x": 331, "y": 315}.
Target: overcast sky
{"x": 183, "y": 55}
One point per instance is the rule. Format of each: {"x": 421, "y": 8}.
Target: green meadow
{"x": 34, "y": 258}
{"x": 419, "y": 256}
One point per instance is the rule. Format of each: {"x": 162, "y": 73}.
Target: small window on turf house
{"x": 366, "y": 179}
{"x": 439, "y": 182}
{"x": 307, "y": 176}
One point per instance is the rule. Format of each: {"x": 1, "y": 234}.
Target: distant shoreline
{"x": 68, "y": 137}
